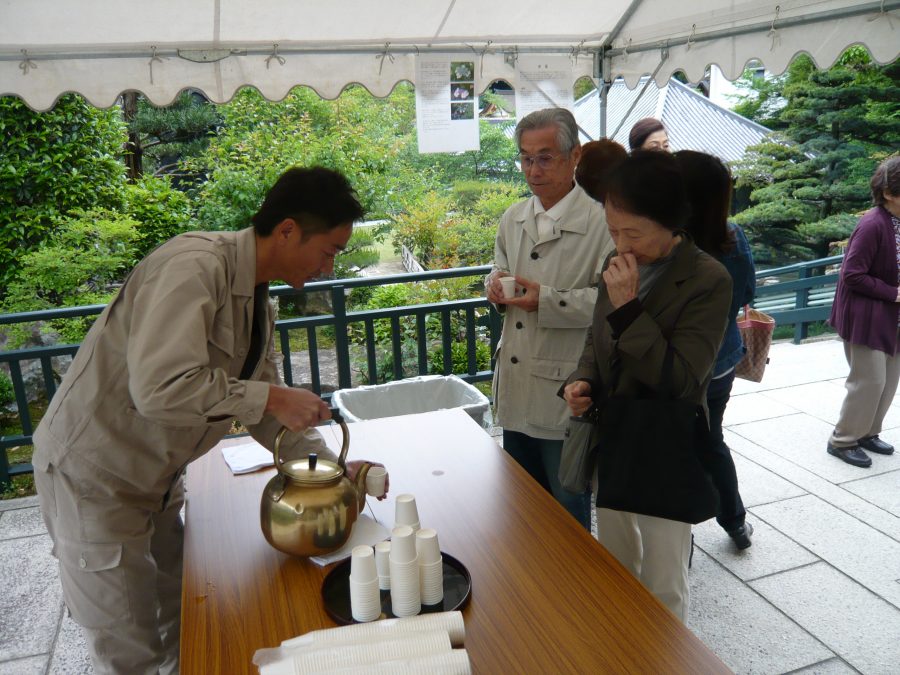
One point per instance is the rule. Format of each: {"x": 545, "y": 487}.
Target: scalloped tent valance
{"x": 101, "y": 48}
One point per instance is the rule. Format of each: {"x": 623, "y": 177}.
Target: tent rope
{"x": 386, "y": 54}
{"x": 690, "y": 42}
{"x": 27, "y": 64}
{"x": 579, "y": 49}
{"x": 274, "y": 55}
{"x": 773, "y": 32}
{"x": 153, "y": 57}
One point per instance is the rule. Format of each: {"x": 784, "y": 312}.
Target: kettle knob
{"x": 313, "y": 458}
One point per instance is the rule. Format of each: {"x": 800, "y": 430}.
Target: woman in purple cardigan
{"x": 865, "y": 314}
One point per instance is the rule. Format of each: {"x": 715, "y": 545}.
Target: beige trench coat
{"x": 539, "y": 349}
{"x": 155, "y": 383}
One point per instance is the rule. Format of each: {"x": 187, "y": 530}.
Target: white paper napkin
{"x": 366, "y": 532}
{"x": 247, "y": 457}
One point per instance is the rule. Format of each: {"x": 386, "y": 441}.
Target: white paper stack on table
{"x": 429, "y": 643}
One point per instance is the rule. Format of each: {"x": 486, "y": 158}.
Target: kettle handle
{"x": 345, "y": 441}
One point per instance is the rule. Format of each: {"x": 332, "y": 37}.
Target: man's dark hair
{"x": 319, "y": 199}
{"x": 649, "y": 184}
{"x": 708, "y": 184}
{"x": 886, "y": 179}
{"x": 641, "y": 130}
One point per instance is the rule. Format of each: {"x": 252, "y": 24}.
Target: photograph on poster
{"x": 462, "y": 91}
{"x": 462, "y": 111}
{"x": 462, "y": 70}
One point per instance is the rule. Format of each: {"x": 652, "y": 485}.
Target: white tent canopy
{"x": 101, "y": 48}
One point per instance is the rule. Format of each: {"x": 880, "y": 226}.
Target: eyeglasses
{"x": 543, "y": 161}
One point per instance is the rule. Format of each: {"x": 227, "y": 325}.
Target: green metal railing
{"x": 801, "y": 295}
{"x": 478, "y": 316}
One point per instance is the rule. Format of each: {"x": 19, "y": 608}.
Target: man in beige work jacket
{"x": 554, "y": 244}
{"x": 184, "y": 349}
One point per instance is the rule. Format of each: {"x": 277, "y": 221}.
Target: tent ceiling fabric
{"x": 100, "y": 48}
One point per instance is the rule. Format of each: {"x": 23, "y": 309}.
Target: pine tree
{"x": 810, "y": 184}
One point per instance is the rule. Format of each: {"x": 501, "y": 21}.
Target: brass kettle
{"x": 309, "y": 507}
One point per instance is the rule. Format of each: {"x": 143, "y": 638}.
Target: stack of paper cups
{"x": 365, "y": 598}
{"x": 406, "y": 512}
{"x": 404, "y": 565}
{"x": 383, "y": 564}
{"x": 431, "y": 567}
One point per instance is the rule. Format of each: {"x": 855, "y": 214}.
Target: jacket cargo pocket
{"x": 545, "y": 408}
{"x": 93, "y": 582}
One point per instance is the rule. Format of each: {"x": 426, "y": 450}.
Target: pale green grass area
{"x": 386, "y": 250}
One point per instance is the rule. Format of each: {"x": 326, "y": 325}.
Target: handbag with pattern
{"x": 756, "y": 329}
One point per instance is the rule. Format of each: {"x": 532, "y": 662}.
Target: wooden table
{"x": 546, "y": 597}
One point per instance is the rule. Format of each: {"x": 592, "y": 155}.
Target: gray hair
{"x": 562, "y": 119}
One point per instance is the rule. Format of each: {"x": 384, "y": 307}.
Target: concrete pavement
{"x": 818, "y": 592}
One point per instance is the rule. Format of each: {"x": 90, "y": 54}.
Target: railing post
{"x": 341, "y": 339}
{"x": 801, "y": 330}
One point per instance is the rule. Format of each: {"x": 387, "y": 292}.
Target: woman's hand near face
{"x": 578, "y": 396}
{"x": 622, "y": 279}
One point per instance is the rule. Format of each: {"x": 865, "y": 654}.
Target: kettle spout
{"x": 361, "y": 484}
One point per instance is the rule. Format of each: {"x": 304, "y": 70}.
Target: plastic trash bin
{"x": 414, "y": 395}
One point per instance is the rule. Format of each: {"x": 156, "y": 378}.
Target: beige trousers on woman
{"x": 871, "y": 385}
{"x": 120, "y": 568}
{"x": 654, "y": 550}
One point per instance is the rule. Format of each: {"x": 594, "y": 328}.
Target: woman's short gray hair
{"x": 562, "y": 119}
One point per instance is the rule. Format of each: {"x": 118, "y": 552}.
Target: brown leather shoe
{"x": 875, "y": 444}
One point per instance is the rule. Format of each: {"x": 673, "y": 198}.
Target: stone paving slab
{"x": 758, "y": 485}
{"x": 858, "y": 626}
{"x": 70, "y": 656}
{"x": 823, "y": 400}
{"x": 18, "y": 503}
{"x": 753, "y": 408}
{"x": 30, "y": 597}
{"x": 802, "y": 439}
{"x": 21, "y": 523}
{"x": 847, "y": 543}
{"x": 745, "y": 631}
{"x": 791, "y": 365}
{"x": 875, "y": 517}
{"x": 835, "y": 666}
{"x": 31, "y": 665}
{"x": 771, "y": 552}
{"x": 882, "y": 491}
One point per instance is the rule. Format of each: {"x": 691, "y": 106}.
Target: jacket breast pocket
{"x": 545, "y": 408}
{"x": 222, "y": 338}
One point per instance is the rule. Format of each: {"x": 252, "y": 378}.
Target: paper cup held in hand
{"x": 509, "y": 286}
{"x": 375, "y": 480}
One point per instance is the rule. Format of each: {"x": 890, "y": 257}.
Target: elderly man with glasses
{"x": 554, "y": 244}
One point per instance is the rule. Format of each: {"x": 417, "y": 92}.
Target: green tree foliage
{"x": 78, "y": 264}
{"x": 807, "y": 184}
{"x": 164, "y": 137}
{"x": 53, "y": 162}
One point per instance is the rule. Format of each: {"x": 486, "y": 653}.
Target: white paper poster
{"x": 543, "y": 82}
{"x": 446, "y": 103}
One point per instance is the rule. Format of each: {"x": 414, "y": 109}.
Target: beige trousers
{"x": 871, "y": 385}
{"x": 120, "y": 569}
{"x": 654, "y": 550}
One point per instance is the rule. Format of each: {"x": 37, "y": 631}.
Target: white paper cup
{"x": 406, "y": 512}
{"x": 449, "y": 622}
{"x": 365, "y": 600}
{"x": 403, "y": 544}
{"x": 362, "y": 563}
{"x": 509, "y": 286}
{"x": 383, "y": 564}
{"x": 427, "y": 547}
{"x": 375, "y": 479}
{"x": 431, "y": 583}
{"x": 405, "y": 594}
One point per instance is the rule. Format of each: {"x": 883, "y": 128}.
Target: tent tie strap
{"x": 274, "y": 55}
{"x": 386, "y": 54}
{"x": 27, "y": 64}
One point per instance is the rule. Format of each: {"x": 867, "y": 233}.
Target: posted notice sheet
{"x": 544, "y": 81}
{"x": 446, "y": 103}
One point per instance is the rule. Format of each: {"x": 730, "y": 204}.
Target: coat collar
{"x": 245, "y": 263}
{"x": 576, "y": 218}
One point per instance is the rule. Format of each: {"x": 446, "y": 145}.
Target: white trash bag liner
{"x": 425, "y": 393}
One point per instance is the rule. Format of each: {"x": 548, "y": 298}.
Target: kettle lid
{"x": 311, "y": 470}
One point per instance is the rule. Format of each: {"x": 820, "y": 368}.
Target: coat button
{"x": 534, "y": 255}
{"x": 562, "y": 303}
{"x": 82, "y": 563}
{"x": 518, "y": 324}
{"x": 514, "y": 359}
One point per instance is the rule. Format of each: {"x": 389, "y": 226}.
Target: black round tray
{"x": 336, "y": 591}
